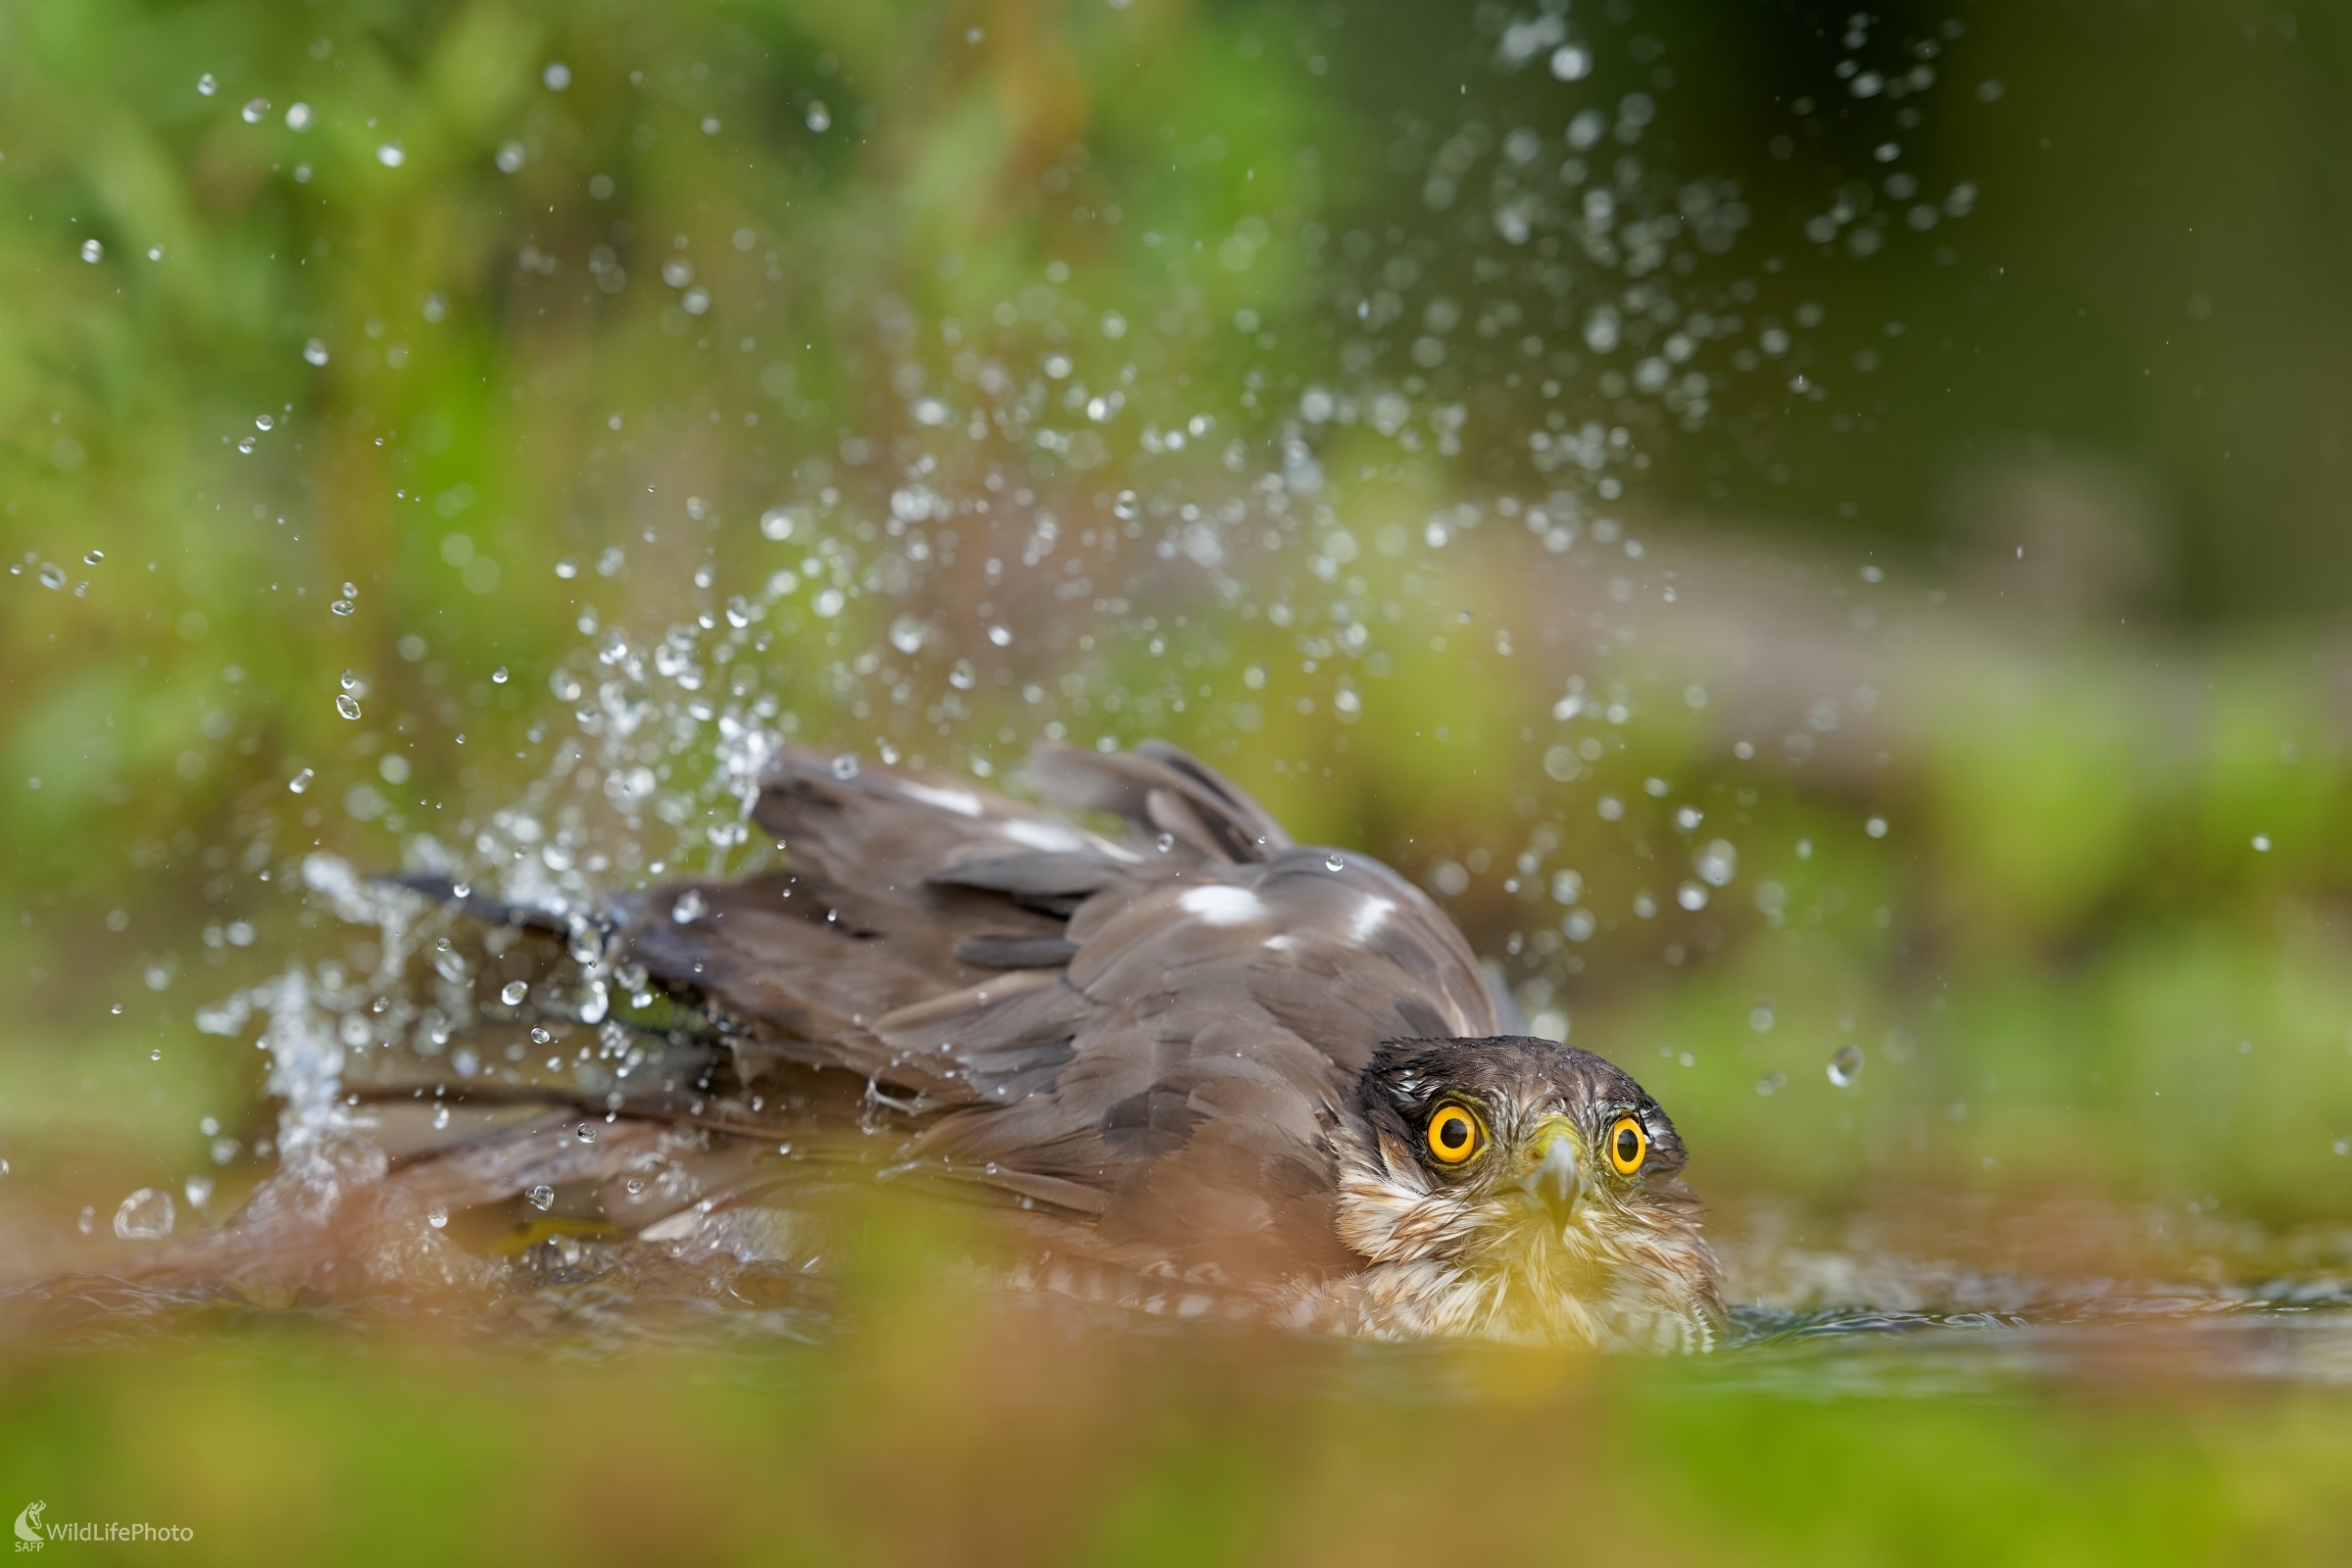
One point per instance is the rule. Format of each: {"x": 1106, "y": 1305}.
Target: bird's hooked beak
{"x": 1556, "y": 1173}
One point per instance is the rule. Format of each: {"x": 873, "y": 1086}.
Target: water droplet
{"x": 498, "y": 676}
{"x": 146, "y": 1215}
{"x": 87, "y": 1221}
{"x": 513, "y": 992}
{"x": 315, "y": 350}
{"x": 2262, "y": 842}
{"x": 390, "y": 155}
{"x": 437, "y": 1217}
{"x": 2342, "y": 1146}
{"x": 93, "y": 557}
{"x": 348, "y": 705}
{"x": 440, "y": 1117}
{"x": 821, "y": 118}
{"x": 541, "y": 1197}
{"x": 341, "y": 607}
{"x": 962, "y": 676}
{"x": 908, "y": 635}
{"x": 690, "y": 908}
{"x": 1845, "y": 1065}
{"x": 199, "y": 1189}
{"x": 541, "y": 1035}
{"x": 4, "y": 1167}
{"x": 254, "y": 110}
{"x": 1332, "y": 862}
{"x": 586, "y": 1132}
{"x": 205, "y": 86}
{"x": 52, "y": 574}
{"x": 246, "y": 444}
{"x": 92, "y": 251}
{"x": 298, "y": 117}
{"x": 1875, "y": 827}
{"x": 1759, "y": 1018}
{"x": 556, "y": 75}
{"x": 301, "y": 781}
{"x": 1772, "y": 1083}
{"x": 1691, "y": 895}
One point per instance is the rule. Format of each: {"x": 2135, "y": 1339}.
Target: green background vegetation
{"x": 2065, "y": 558}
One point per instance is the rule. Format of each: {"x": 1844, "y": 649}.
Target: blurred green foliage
{"x": 426, "y": 347}
{"x": 1180, "y": 1452}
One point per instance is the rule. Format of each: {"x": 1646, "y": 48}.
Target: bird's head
{"x": 1522, "y": 1189}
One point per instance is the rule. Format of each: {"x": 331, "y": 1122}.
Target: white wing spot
{"x": 1041, "y": 835}
{"x": 963, "y": 803}
{"x": 1370, "y": 915}
{"x": 1214, "y": 904}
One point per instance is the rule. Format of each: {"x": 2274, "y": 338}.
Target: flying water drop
{"x": 541, "y": 1197}
{"x": 437, "y": 1217}
{"x": 1845, "y": 1065}
{"x": 348, "y": 705}
{"x": 146, "y": 1215}
{"x": 92, "y": 251}
{"x": 690, "y": 908}
{"x": 513, "y": 992}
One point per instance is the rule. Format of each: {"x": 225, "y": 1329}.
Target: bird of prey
{"x": 1181, "y": 1053}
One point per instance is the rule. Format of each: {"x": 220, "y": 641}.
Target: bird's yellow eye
{"x": 1628, "y": 1144}
{"x": 1454, "y": 1136}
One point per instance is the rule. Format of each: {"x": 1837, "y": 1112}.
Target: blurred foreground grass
{"x": 963, "y": 1444}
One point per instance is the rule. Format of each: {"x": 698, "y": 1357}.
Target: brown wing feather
{"x": 1190, "y": 1007}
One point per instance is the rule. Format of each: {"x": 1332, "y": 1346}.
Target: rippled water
{"x": 1808, "y": 1322}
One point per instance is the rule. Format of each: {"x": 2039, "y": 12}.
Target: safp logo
{"x": 28, "y": 1529}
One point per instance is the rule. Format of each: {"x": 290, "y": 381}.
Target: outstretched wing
{"x": 1153, "y": 1032}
